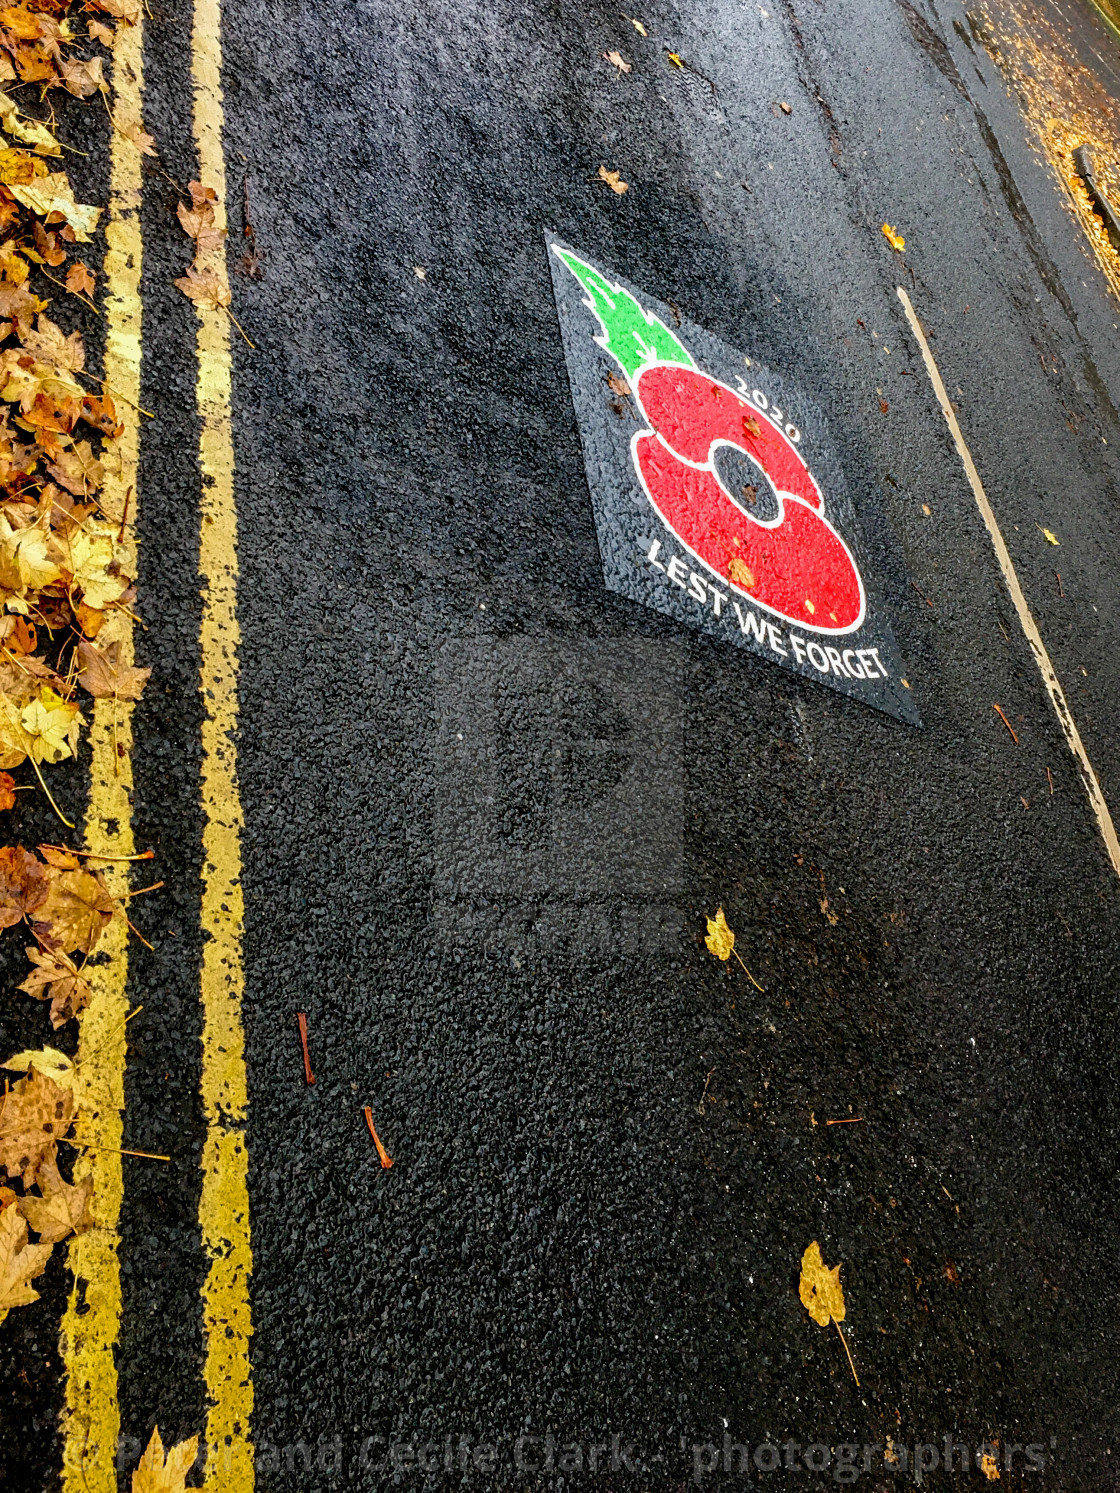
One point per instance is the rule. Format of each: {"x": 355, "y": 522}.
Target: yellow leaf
{"x": 896, "y": 241}
{"x": 989, "y": 1467}
{"x": 56, "y": 1065}
{"x": 612, "y": 179}
{"x": 19, "y": 1261}
{"x": 720, "y": 939}
{"x": 157, "y": 1475}
{"x": 740, "y": 573}
{"x": 1050, "y": 536}
{"x": 93, "y": 560}
{"x": 638, "y": 27}
{"x": 63, "y": 1208}
{"x": 674, "y": 59}
{"x": 820, "y": 1289}
{"x": 18, "y": 166}
{"x": 51, "y": 724}
{"x": 53, "y": 194}
{"x": 29, "y": 131}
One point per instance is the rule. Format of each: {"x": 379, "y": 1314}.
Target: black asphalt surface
{"x": 488, "y": 803}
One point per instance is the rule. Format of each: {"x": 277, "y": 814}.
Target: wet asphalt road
{"x": 488, "y": 803}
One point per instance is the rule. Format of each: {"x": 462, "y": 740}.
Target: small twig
{"x": 922, "y": 594}
{"x": 240, "y": 328}
{"x": 848, "y": 1351}
{"x": 139, "y": 892}
{"x": 124, "y": 514}
{"x": 47, "y": 791}
{"x": 704, "y": 1095}
{"x": 93, "y": 855}
{"x": 858, "y": 1120}
{"x": 85, "y": 300}
{"x": 1007, "y": 723}
{"x": 1050, "y": 780}
{"x": 136, "y": 930}
{"x": 1058, "y": 573}
{"x": 386, "y": 1159}
{"x": 85, "y": 1145}
{"x": 749, "y": 976}
{"x": 307, "y": 1073}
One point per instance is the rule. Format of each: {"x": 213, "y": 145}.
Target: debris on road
{"x": 896, "y": 241}
{"x": 1049, "y": 536}
{"x": 614, "y": 180}
{"x": 618, "y": 62}
{"x": 822, "y": 1295}
{"x": 1007, "y": 723}
{"x": 307, "y": 1073}
{"x": 386, "y": 1159}
{"x": 721, "y": 942}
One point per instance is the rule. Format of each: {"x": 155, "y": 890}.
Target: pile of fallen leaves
{"x": 64, "y": 567}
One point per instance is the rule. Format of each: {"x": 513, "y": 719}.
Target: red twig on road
{"x": 1007, "y": 723}
{"x": 306, "y": 1055}
{"x": 857, "y": 1120}
{"x": 386, "y": 1159}
{"x": 1058, "y": 573}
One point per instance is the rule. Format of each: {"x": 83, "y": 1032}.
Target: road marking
{"x": 1026, "y": 621}
{"x": 223, "y": 1208}
{"x": 91, "y": 1322}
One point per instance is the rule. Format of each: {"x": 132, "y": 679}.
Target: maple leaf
{"x": 83, "y": 78}
{"x": 56, "y": 1065}
{"x": 7, "y": 792}
{"x": 77, "y": 910}
{"x": 28, "y": 131}
{"x": 135, "y": 132}
{"x": 205, "y": 288}
{"x": 896, "y": 241}
{"x": 63, "y": 1208}
{"x": 48, "y": 343}
{"x": 51, "y": 724}
{"x": 21, "y": 22}
{"x": 157, "y": 1475}
{"x": 20, "y": 167}
{"x": 34, "y": 1115}
{"x": 90, "y": 558}
{"x": 121, "y": 10}
{"x": 58, "y": 979}
{"x": 197, "y": 221}
{"x": 102, "y": 33}
{"x": 78, "y": 470}
{"x": 20, "y": 1262}
{"x": 100, "y": 412}
{"x": 720, "y": 939}
{"x": 617, "y": 384}
{"x": 103, "y": 674}
{"x": 613, "y": 180}
{"x": 23, "y": 884}
{"x": 53, "y": 194}
{"x": 617, "y": 60}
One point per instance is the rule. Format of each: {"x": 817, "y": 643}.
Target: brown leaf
{"x": 617, "y": 60}
{"x": 62, "y": 860}
{"x": 613, "y": 180}
{"x": 76, "y": 912}
{"x": 618, "y": 384}
{"x": 63, "y": 1208}
{"x": 103, "y": 674}
{"x": 78, "y": 470}
{"x": 23, "y": 24}
{"x": 101, "y": 413}
{"x": 7, "y": 791}
{"x": 34, "y": 1114}
{"x": 23, "y": 885}
{"x": 47, "y": 245}
{"x": 90, "y": 620}
{"x": 79, "y": 279}
{"x": 19, "y": 1261}
{"x": 740, "y": 573}
{"x": 206, "y": 289}
{"x": 102, "y": 33}
{"x": 751, "y": 426}
{"x": 57, "y": 978}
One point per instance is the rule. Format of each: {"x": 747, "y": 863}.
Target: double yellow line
{"x": 91, "y": 1323}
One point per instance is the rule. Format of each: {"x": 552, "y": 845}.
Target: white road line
{"x": 1026, "y": 621}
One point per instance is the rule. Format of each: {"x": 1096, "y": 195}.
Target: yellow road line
{"x": 224, "y": 1204}
{"x": 1011, "y": 580}
{"x": 91, "y": 1322}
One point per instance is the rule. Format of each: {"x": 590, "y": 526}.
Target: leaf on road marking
{"x": 205, "y": 289}
{"x": 617, "y": 384}
{"x": 617, "y": 60}
{"x": 896, "y": 241}
{"x": 751, "y": 426}
{"x": 102, "y": 33}
{"x": 56, "y": 1065}
{"x": 156, "y": 1474}
{"x": 720, "y": 939}
{"x": 51, "y": 726}
{"x": 197, "y": 221}
{"x": 20, "y": 1262}
{"x": 34, "y": 1114}
{"x": 103, "y": 674}
{"x": 1050, "y": 536}
{"x": 63, "y": 1208}
{"x": 57, "y": 978}
{"x": 76, "y": 912}
{"x": 739, "y": 572}
{"x": 613, "y": 180}
{"x": 135, "y": 132}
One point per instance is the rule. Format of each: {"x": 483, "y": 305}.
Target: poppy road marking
{"x": 1011, "y": 580}
{"x": 223, "y": 1208}
{"x": 92, "y": 1318}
